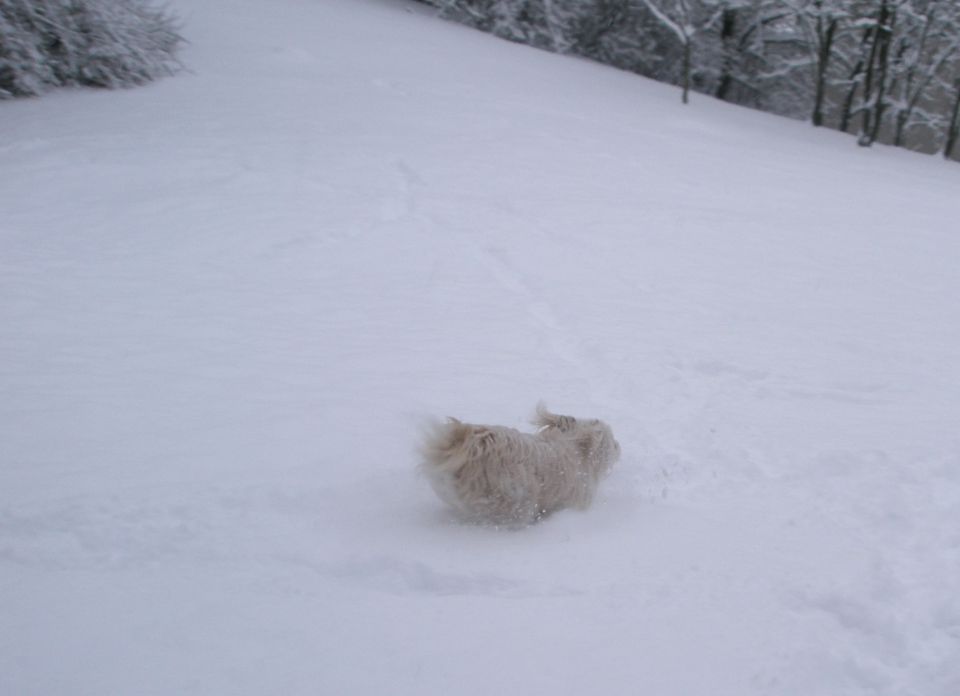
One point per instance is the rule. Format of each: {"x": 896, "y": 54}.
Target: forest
{"x": 882, "y": 70}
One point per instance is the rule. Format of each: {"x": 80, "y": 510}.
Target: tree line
{"x": 882, "y": 70}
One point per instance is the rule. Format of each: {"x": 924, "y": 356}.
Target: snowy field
{"x": 229, "y": 300}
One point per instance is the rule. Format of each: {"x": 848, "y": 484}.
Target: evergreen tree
{"x": 102, "y": 43}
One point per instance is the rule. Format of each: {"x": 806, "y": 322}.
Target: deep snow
{"x": 229, "y": 300}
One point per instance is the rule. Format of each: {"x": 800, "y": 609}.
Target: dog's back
{"x": 472, "y": 469}
{"x": 491, "y": 473}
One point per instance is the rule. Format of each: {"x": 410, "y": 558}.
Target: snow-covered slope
{"x": 229, "y": 300}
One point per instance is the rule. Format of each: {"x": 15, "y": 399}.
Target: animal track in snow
{"x": 401, "y": 202}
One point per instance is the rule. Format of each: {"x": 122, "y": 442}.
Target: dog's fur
{"x": 498, "y": 475}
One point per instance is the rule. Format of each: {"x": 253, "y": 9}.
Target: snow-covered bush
{"x": 102, "y": 43}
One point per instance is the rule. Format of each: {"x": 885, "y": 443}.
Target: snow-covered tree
{"x": 878, "y": 39}
{"x": 678, "y": 18}
{"x": 523, "y": 21}
{"x": 927, "y": 40}
{"x": 898, "y": 73}
{"x": 740, "y": 58}
{"x": 816, "y": 29}
{"x": 616, "y": 33}
{"x": 104, "y": 43}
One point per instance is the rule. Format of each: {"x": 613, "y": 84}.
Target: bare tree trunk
{"x": 823, "y": 60}
{"x": 868, "y": 83}
{"x": 855, "y": 82}
{"x": 902, "y": 117}
{"x": 880, "y": 105}
{"x": 686, "y": 71}
{"x": 874, "y": 86}
{"x": 953, "y": 127}
{"x": 727, "y": 31}
{"x": 847, "y": 114}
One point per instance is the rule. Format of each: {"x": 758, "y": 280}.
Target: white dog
{"x": 498, "y": 475}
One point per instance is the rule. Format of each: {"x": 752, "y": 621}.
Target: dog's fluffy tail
{"x": 443, "y": 453}
{"x": 443, "y": 444}
{"x": 545, "y": 419}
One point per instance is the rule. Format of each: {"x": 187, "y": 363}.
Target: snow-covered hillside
{"x": 229, "y": 300}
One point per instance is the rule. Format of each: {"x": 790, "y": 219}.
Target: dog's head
{"x": 599, "y": 449}
{"x": 596, "y": 442}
